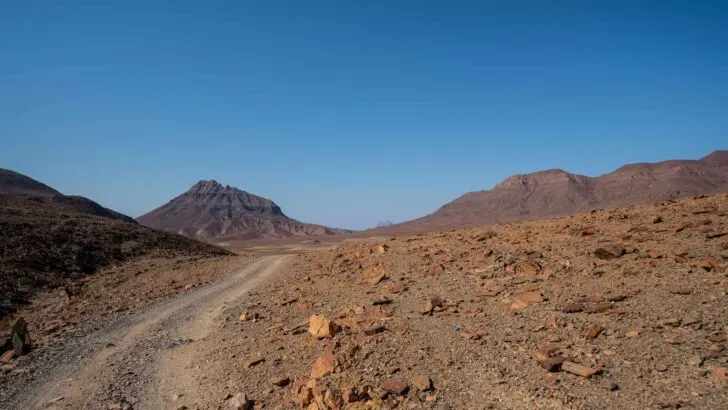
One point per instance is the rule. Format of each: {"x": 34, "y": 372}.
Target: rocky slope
{"x": 19, "y": 185}
{"x": 45, "y": 244}
{"x": 211, "y": 211}
{"x": 619, "y": 308}
{"x": 557, "y": 192}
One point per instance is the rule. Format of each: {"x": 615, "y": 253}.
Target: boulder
{"x": 321, "y": 327}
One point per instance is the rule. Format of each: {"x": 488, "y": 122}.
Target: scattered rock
{"x": 321, "y": 327}
{"x": 240, "y": 402}
{"x": 375, "y": 273}
{"x": 613, "y": 386}
{"x": 8, "y": 356}
{"x": 280, "y": 381}
{"x": 611, "y": 251}
{"x": 21, "y": 337}
{"x": 593, "y": 332}
{"x": 695, "y": 361}
{"x": 373, "y": 330}
{"x": 254, "y": 362}
{"x": 577, "y": 369}
{"x": 431, "y": 304}
{"x": 395, "y": 386}
{"x": 422, "y": 382}
{"x": 323, "y": 366}
{"x": 434, "y": 271}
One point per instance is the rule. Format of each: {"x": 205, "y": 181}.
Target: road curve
{"x": 143, "y": 362}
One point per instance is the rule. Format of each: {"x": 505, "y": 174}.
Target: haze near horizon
{"x": 349, "y": 113}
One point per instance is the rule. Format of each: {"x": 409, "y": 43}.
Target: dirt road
{"x": 141, "y": 361}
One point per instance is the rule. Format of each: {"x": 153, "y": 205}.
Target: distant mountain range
{"x": 211, "y": 211}
{"x": 19, "y": 185}
{"x": 557, "y": 192}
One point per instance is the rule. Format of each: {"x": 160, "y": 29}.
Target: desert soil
{"x": 617, "y": 308}
{"x": 141, "y": 360}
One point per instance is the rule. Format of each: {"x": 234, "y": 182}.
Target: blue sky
{"x": 350, "y": 112}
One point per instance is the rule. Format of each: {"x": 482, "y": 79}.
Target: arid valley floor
{"x": 614, "y": 308}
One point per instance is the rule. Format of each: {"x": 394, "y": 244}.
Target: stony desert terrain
{"x": 620, "y": 308}
{"x": 614, "y": 308}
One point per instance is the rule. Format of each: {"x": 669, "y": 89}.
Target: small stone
{"x": 323, "y": 366}
{"x": 674, "y": 321}
{"x": 611, "y": 251}
{"x": 577, "y": 369}
{"x": 373, "y": 330}
{"x": 280, "y": 381}
{"x": 598, "y": 307}
{"x": 431, "y": 304}
{"x": 593, "y": 332}
{"x": 661, "y": 368}
{"x": 657, "y": 219}
{"x": 572, "y": 307}
{"x": 8, "y": 356}
{"x": 240, "y": 402}
{"x": 395, "y": 386}
{"x": 632, "y": 333}
{"x": 375, "y": 273}
{"x": 321, "y": 327}
{"x": 696, "y": 361}
{"x": 422, "y": 382}
{"x": 435, "y": 271}
{"x": 720, "y": 373}
{"x": 255, "y": 362}
{"x": 530, "y": 297}
{"x": 613, "y": 386}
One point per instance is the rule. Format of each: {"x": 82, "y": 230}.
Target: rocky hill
{"x": 46, "y": 244}
{"x": 19, "y": 185}
{"x": 557, "y": 192}
{"x": 211, "y": 211}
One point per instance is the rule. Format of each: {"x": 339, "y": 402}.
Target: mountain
{"x": 385, "y": 223}
{"x": 18, "y": 185}
{"x": 211, "y": 211}
{"x": 557, "y": 192}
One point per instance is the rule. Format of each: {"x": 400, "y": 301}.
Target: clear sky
{"x": 349, "y": 112}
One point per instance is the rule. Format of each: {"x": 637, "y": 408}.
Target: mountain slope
{"x": 19, "y": 185}
{"x": 557, "y": 192}
{"x": 211, "y": 211}
{"x": 45, "y": 244}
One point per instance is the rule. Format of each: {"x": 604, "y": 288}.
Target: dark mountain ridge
{"x": 212, "y": 211}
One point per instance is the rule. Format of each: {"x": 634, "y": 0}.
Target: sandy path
{"x": 146, "y": 361}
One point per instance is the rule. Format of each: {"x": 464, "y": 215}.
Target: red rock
{"x": 572, "y": 307}
{"x": 435, "y": 271}
{"x": 707, "y": 264}
{"x": 598, "y": 307}
{"x": 321, "y": 327}
{"x": 611, "y": 251}
{"x": 720, "y": 373}
{"x": 395, "y": 386}
{"x": 375, "y": 273}
{"x": 593, "y": 332}
{"x": 422, "y": 382}
{"x": 8, "y": 356}
{"x": 577, "y": 369}
{"x": 323, "y": 366}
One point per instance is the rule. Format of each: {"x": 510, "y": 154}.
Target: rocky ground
{"x": 620, "y": 308}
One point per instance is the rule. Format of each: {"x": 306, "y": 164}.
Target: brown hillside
{"x": 556, "y": 192}
{"x": 44, "y": 245}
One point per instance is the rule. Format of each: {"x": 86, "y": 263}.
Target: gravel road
{"x": 138, "y": 361}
